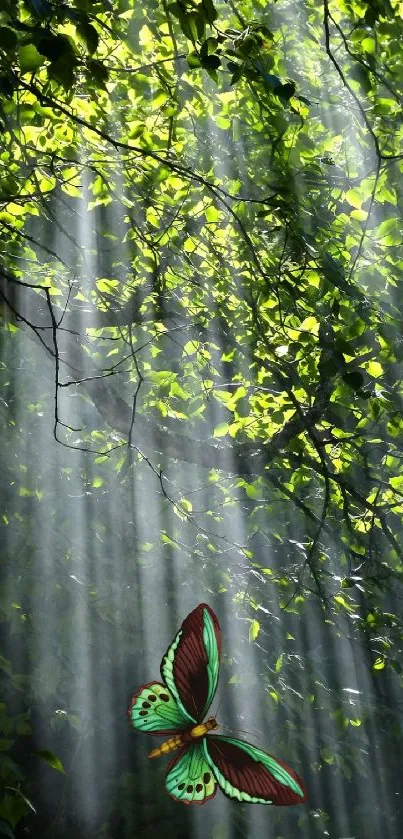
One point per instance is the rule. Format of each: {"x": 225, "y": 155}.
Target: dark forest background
{"x": 201, "y": 399}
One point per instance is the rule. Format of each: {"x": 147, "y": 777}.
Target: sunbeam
{"x": 201, "y": 405}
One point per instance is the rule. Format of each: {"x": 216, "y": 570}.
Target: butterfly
{"x": 176, "y": 707}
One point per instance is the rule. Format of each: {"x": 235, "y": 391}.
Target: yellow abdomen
{"x": 169, "y": 746}
{"x": 179, "y": 740}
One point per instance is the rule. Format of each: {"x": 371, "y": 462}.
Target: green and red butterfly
{"x": 176, "y": 708}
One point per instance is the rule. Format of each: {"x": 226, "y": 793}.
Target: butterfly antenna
{"x": 218, "y": 708}
{"x": 254, "y": 734}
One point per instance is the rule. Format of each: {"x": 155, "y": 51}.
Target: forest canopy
{"x": 201, "y": 255}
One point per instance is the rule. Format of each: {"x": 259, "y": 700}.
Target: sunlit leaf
{"x": 221, "y": 430}
{"x": 279, "y": 663}
{"x": 254, "y": 630}
{"x": 29, "y": 58}
{"x": 51, "y": 759}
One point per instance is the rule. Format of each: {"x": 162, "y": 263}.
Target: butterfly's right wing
{"x": 249, "y": 774}
{"x": 154, "y": 710}
{"x": 190, "y": 666}
{"x": 189, "y": 778}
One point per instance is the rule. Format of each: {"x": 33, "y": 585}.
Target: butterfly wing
{"x": 250, "y": 774}
{"x": 189, "y": 777}
{"x": 191, "y": 664}
{"x": 153, "y": 710}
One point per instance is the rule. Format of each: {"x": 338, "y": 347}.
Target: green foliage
{"x": 14, "y": 805}
{"x": 51, "y": 759}
{"x": 231, "y": 315}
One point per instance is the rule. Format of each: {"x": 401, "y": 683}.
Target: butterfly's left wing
{"x": 191, "y": 664}
{"x": 153, "y": 710}
{"x": 189, "y": 778}
{"x": 250, "y": 774}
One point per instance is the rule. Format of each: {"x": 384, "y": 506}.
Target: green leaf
{"x": 193, "y": 59}
{"x": 22, "y": 797}
{"x": 354, "y": 379}
{"x": 273, "y": 82}
{"x": 379, "y": 664}
{"x": 374, "y": 369}
{"x": 254, "y": 630}
{"x": 210, "y": 62}
{"x": 189, "y": 27}
{"x": 361, "y": 75}
{"x": 41, "y": 8}
{"x": 246, "y": 46}
{"x": 8, "y": 38}
{"x": 354, "y": 198}
{"x": 221, "y": 430}
{"x": 54, "y": 47}
{"x": 338, "y": 598}
{"x": 285, "y": 91}
{"x": 251, "y": 490}
{"x": 98, "y": 72}
{"x": 51, "y": 759}
{"x": 371, "y": 15}
{"x": 30, "y": 59}
{"x": 347, "y": 583}
{"x": 209, "y": 10}
{"x": 236, "y": 75}
{"x": 62, "y": 70}
{"x": 88, "y": 35}
{"x": 327, "y": 756}
{"x": 6, "y": 89}
{"x": 209, "y": 46}
{"x": 327, "y": 160}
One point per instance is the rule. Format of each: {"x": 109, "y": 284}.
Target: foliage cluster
{"x": 201, "y": 231}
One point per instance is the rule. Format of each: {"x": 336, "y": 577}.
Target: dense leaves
{"x": 201, "y": 234}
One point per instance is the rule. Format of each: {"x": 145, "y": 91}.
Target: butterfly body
{"x": 184, "y": 739}
{"x": 177, "y": 706}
